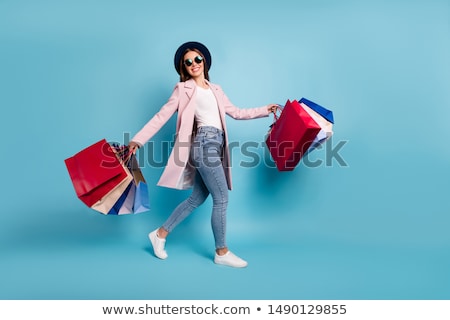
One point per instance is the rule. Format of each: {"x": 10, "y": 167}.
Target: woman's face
{"x": 194, "y": 64}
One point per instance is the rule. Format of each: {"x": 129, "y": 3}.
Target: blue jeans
{"x": 206, "y": 157}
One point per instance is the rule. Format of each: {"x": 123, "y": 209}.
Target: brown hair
{"x": 184, "y": 75}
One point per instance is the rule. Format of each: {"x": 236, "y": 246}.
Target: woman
{"x": 200, "y": 157}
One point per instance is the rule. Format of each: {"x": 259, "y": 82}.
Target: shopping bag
{"x": 114, "y": 198}
{"x": 98, "y": 176}
{"x": 106, "y": 204}
{"x": 141, "y": 197}
{"x": 291, "y": 135}
{"x": 126, "y": 201}
{"x": 326, "y": 127}
{"x": 127, "y": 206}
{"x": 327, "y": 114}
{"x": 121, "y": 202}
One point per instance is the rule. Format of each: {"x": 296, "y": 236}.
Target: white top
{"x": 207, "y": 110}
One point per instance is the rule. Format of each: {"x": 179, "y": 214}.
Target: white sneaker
{"x": 158, "y": 244}
{"x": 230, "y": 259}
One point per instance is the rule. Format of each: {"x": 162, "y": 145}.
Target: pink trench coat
{"x": 178, "y": 173}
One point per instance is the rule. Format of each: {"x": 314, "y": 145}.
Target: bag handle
{"x": 122, "y": 152}
{"x": 275, "y": 116}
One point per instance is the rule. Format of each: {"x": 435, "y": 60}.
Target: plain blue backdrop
{"x": 373, "y": 225}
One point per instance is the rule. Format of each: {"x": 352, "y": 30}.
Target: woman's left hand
{"x": 272, "y": 108}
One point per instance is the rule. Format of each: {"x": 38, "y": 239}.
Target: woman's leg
{"x": 214, "y": 178}
{"x": 207, "y": 158}
{"x": 197, "y": 197}
{"x": 216, "y": 183}
{"x": 213, "y": 174}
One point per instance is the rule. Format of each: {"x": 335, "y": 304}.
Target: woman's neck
{"x": 200, "y": 81}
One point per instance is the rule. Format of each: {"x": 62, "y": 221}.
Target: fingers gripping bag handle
{"x": 122, "y": 152}
{"x": 275, "y": 116}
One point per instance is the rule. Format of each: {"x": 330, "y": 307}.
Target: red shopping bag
{"x": 291, "y": 135}
{"x": 96, "y": 172}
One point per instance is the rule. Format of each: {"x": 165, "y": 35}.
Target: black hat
{"x": 191, "y": 45}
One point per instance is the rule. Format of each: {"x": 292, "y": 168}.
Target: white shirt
{"x": 207, "y": 110}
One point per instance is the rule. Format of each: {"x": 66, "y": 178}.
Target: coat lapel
{"x": 189, "y": 87}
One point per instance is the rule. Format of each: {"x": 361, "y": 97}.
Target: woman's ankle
{"x": 162, "y": 233}
{"x": 221, "y": 251}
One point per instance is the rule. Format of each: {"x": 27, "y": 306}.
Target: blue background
{"x": 74, "y": 72}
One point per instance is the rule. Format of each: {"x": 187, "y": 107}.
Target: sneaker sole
{"x": 230, "y": 265}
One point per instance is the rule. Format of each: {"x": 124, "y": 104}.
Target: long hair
{"x": 184, "y": 75}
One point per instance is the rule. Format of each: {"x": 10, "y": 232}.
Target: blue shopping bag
{"x": 141, "y": 197}
{"x": 327, "y": 114}
{"x": 117, "y": 207}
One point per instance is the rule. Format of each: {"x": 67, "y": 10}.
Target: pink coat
{"x": 178, "y": 173}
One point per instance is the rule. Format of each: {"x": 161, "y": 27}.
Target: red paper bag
{"x": 291, "y": 135}
{"x": 95, "y": 172}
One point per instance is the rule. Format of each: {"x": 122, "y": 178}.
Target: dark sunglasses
{"x": 189, "y": 62}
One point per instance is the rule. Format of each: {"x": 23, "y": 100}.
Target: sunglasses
{"x": 189, "y": 62}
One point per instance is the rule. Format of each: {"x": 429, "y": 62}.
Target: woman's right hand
{"x": 133, "y": 146}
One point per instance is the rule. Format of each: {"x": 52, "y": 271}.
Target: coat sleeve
{"x": 159, "y": 119}
{"x": 242, "y": 114}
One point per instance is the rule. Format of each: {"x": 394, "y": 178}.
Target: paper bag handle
{"x": 275, "y": 116}
{"x": 122, "y": 152}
